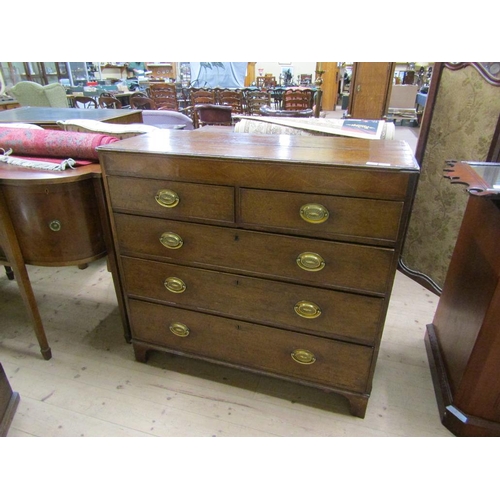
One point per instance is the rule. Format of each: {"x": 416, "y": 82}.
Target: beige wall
{"x": 275, "y": 68}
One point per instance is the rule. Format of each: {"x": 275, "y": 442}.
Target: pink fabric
{"x": 52, "y": 143}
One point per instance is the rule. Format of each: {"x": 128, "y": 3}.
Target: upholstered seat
{"x": 34, "y": 94}
{"x": 167, "y": 119}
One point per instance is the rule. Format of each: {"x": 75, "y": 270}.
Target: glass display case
{"x": 43, "y": 73}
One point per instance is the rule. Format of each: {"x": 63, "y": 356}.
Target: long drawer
{"x": 321, "y": 215}
{"x": 326, "y": 313}
{"x": 177, "y": 200}
{"x": 291, "y": 354}
{"x": 324, "y": 263}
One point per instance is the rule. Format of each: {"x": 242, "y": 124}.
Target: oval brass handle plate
{"x": 55, "y": 225}
{"x": 179, "y": 329}
{"x": 171, "y": 240}
{"x": 310, "y": 261}
{"x": 314, "y": 213}
{"x": 308, "y": 310}
{"x": 175, "y": 285}
{"x": 303, "y": 356}
{"x": 167, "y": 198}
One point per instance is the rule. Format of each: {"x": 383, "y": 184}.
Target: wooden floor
{"x": 93, "y": 386}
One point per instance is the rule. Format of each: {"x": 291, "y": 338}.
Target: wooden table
{"x": 50, "y": 218}
{"x": 8, "y": 104}
{"x": 48, "y": 117}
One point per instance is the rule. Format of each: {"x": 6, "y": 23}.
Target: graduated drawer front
{"x": 341, "y": 315}
{"x": 195, "y": 201}
{"x": 347, "y": 217}
{"x": 336, "y": 364}
{"x": 333, "y": 264}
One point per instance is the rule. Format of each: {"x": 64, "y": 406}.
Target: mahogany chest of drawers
{"x": 274, "y": 254}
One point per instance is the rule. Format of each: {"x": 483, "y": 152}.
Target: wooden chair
{"x": 296, "y": 100}
{"x": 199, "y": 96}
{"x": 255, "y": 99}
{"x": 202, "y": 96}
{"x": 81, "y": 101}
{"x": 140, "y": 102}
{"x": 213, "y": 114}
{"x": 164, "y": 95}
{"x": 233, "y": 98}
{"x": 109, "y": 102}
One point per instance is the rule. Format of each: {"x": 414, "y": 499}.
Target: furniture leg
{"x": 9, "y": 272}
{"x": 10, "y": 245}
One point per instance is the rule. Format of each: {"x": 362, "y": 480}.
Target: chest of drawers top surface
{"x": 372, "y": 154}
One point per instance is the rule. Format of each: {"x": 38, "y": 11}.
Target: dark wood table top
{"x": 42, "y": 116}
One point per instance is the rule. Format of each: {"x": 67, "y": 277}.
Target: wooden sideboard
{"x": 9, "y": 401}
{"x": 274, "y": 254}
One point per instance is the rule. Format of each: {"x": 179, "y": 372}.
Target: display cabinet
{"x": 463, "y": 341}
{"x": 43, "y": 73}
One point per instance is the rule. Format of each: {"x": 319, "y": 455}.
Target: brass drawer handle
{"x": 314, "y": 213}
{"x": 308, "y": 310}
{"x": 55, "y": 225}
{"x": 303, "y": 356}
{"x": 179, "y": 329}
{"x": 167, "y": 198}
{"x": 310, "y": 261}
{"x": 175, "y": 285}
{"x": 171, "y": 240}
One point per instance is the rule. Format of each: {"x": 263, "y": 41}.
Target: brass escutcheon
{"x": 308, "y": 310}
{"x": 314, "y": 213}
{"x": 55, "y": 225}
{"x": 303, "y": 356}
{"x": 310, "y": 261}
{"x": 179, "y": 329}
{"x": 167, "y": 198}
{"x": 175, "y": 285}
{"x": 171, "y": 240}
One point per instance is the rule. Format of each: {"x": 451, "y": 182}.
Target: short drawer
{"x": 176, "y": 200}
{"x": 291, "y": 354}
{"x": 325, "y": 263}
{"x": 321, "y": 215}
{"x": 327, "y": 313}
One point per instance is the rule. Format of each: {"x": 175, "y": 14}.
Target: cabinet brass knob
{"x": 171, "y": 240}
{"x": 167, "y": 198}
{"x": 303, "y": 356}
{"x": 308, "y": 310}
{"x": 55, "y": 225}
{"x": 179, "y": 329}
{"x": 314, "y": 213}
{"x": 310, "y": 261}
{"x": 175, "y": 285}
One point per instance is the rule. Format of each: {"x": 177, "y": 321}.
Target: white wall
{"x": 275, "y": 69}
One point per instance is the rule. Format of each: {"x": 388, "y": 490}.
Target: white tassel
{"x": 43, "y": 165}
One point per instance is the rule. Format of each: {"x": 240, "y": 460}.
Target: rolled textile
{"x": 52, "y": 143}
